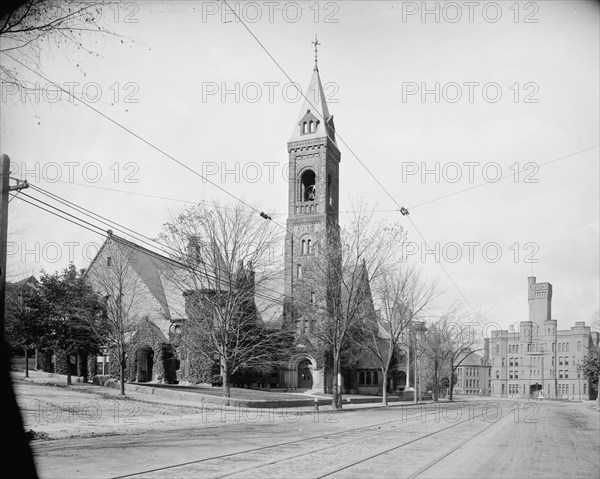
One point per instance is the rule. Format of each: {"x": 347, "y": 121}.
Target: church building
{"x": 313, "y": 220}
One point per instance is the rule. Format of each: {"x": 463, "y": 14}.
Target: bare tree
{"x": 344, "y": 266}
{"x": 450, "y": 340}
{"x": 437, "y": 350}
{"x": 228, "y": 256}
{"x": 123, "y": 292}
{"x": 463, "y": 340}
{"x": 402, "y": 296}
{"x": 30, "y": 29}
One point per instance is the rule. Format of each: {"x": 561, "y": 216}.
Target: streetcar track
{"x": 312, "y": 438}
{"x": 233, "y": 454}
{"x": 451, "y": 451}
{"x": 259, "y": 466}
{"x": 381, "y": 453}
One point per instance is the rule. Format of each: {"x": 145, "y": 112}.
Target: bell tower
{"x": 313, "y": 198}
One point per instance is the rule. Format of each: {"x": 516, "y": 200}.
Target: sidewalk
{"x": 163, "y": 395}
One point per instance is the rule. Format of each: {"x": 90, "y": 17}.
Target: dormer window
{"x": 309, "y": 123}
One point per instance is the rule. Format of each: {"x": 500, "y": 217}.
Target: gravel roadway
{"x": 101, "y": 436}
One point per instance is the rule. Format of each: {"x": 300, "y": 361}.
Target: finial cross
{"x": 316, "y": 44}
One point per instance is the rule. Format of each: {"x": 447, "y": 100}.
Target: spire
{"x": 314, "y": 109}
{"x": 316, "y": 44}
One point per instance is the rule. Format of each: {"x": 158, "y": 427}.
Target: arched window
{"x": 303, "y": 246}
{"x": 307, "y": 181}
{"x": 311, "y": 126}
{"x": 578, "y": 345}
{"x": 304, "y": 128}
{"x": 308, "y": 247}
{"x": 299, "y": 271}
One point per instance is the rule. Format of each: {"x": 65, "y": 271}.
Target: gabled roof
{"x": 167, "y": 279}
{"x": 157, "y": 272}
{"x": 470, "y": 359}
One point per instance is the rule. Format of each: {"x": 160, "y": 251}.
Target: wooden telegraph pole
{"x": 5, "y": 188}
{"x": 18, "y": 444}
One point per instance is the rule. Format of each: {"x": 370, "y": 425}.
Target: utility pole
{"x": 18, "y": 448}
{"x": 4, "y": 189}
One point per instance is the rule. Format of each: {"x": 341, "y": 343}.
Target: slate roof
{"x": 159, "y": 274}
{"x": 317, "y": 105}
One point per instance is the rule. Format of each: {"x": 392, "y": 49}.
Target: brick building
{"x": 473, "y": 376}
{"x": 536, "y": 358}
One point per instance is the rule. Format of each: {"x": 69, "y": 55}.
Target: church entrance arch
{"x": 305, "y": 377}
{"x": 303, "y": 373}
{"x": 145, "y": 364}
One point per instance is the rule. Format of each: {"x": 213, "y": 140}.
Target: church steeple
{"x": 313, "y": 198}
{"x": 314, "y": 120}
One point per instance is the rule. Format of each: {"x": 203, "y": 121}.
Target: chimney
{"x": 193, "y": 251}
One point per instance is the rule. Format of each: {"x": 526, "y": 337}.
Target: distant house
{"x": 473, "y": 374}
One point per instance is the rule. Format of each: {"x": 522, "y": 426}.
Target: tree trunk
{"x": 339, "y": 385}
{"x": 384, "y": 401}
{"x": 26, "y": 363}
{"x": 451, "y": 382}
{"x": 225, "y": 378}
{"x": 122, "y": 372}
{"x": 337, "y": 395}
{"x": 435, "y": 380}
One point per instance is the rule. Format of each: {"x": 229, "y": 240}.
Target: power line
{"x": 510, "y": 175}
{"x": 402, "y": 209}
{"x": 200, "y": 175}
{"x": 110, "y": 224}
{"x": 101, "y": 232}
{"x": 62, "y": 217}
{"x": 310, "y": 103}
{"x": 394, "y": 210}
{"x": 147, "y": 142}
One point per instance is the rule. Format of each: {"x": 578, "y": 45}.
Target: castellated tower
{"x": 313, "y": 200}
{"x": 540, "y": 306}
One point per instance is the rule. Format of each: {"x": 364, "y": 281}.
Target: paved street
{"x": 484, "y": 438}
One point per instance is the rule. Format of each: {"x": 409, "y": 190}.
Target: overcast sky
{"x": 432, "y": 107}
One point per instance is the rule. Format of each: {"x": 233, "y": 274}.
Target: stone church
{"x": 313, "y": 217}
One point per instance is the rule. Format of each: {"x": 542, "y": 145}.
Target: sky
{"x": 482, "y": 119}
